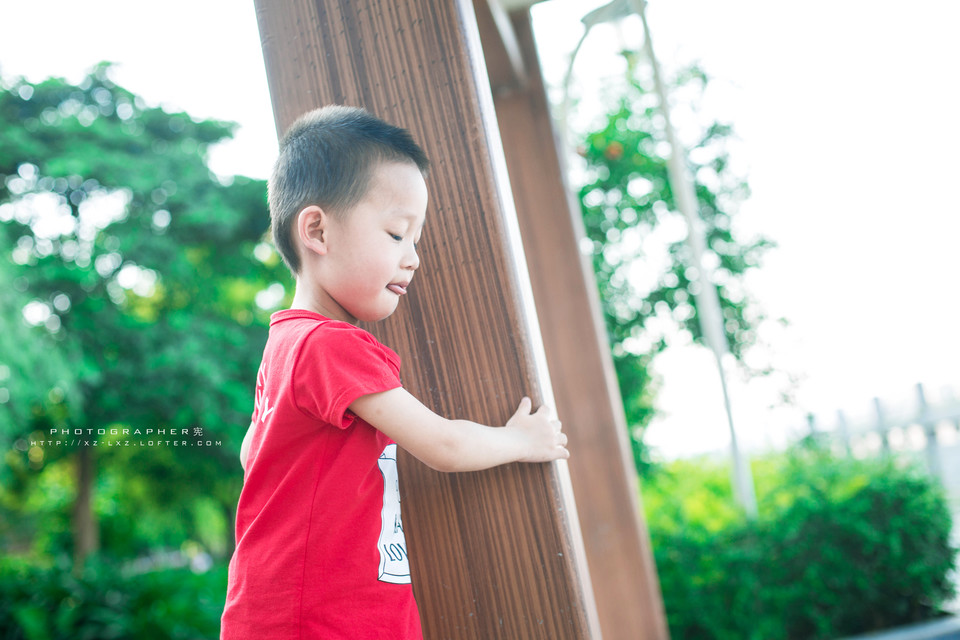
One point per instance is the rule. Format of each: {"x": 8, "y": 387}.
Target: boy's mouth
{"x": 399, "y": 288}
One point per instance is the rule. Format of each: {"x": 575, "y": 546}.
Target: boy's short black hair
{"x": 326, "y": 159}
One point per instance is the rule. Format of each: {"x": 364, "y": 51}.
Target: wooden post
{"x": 604, "y": 480}
{"x": 495, "y": 554}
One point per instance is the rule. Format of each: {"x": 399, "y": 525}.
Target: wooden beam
{"x": 495, "y": 554}
{"x": 501, "y": 50}
{"x": 617, "y": 544}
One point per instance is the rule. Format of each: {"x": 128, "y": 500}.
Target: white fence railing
{"x": 928, "y": 431}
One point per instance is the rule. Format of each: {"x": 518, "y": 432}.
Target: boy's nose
{"x": 411, "y": 260}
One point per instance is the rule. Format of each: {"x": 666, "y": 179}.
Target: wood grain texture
{"x": 617, "y": 544}
{"x": 493, "y": 554}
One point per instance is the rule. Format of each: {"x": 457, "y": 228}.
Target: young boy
{"x": 320, "y": 548}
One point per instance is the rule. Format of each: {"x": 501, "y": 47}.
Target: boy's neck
{"x": 309, "y": 298}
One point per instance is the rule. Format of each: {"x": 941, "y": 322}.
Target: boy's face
{"x": 371, "y": 249}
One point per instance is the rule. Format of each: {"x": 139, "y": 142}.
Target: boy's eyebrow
{"x": 413, "y": 217}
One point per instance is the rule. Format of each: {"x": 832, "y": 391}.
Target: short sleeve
{"x": 337, "y": 364}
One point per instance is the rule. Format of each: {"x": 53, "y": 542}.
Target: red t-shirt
{"x": 320, "y": 548}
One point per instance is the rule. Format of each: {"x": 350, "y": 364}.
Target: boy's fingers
{"x": 523, "y": 409}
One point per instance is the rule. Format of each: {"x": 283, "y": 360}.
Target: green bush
{"x": 103, "y": 603}
{"x": 841, "y": 547}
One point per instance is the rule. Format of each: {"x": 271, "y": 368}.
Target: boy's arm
{"x": 245, "y": 447}
{"x": 461, "y": 445}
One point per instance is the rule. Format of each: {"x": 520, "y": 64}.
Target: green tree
{"x": 629, "y": 213}
{"x": 138, "y": 270}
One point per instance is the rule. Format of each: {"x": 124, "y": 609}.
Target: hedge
{"x": 841, "y": 547}
{"x": 104, "y": 603}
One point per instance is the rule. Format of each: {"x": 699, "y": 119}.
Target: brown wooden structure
{"x": 496, "y": 554}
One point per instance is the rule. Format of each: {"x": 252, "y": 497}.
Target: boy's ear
{"x": 312, "y": 225}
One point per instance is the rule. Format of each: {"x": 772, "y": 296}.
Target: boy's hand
{"x": 541, "y": 435}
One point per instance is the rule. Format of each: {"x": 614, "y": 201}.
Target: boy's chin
{"x": 375, "y": 315}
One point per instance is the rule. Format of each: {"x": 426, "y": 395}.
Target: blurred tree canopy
{"x": 638, "y": 239}
{"x": 139, "y": 291}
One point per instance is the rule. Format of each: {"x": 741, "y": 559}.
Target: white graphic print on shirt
{"x": 394, "y": 565}
{"x": 261, "y": 404}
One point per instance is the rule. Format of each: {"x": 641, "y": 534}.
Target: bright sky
{"x": 846, "y": 113}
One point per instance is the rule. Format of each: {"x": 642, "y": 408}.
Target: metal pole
{"x": 930, "y": 433}
{"x": 844, "y": 430}
{"x": 708, "y": 303}
{"x": 882, "y": 428}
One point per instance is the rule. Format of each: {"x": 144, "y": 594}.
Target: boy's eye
{"x": 396, "y": 237}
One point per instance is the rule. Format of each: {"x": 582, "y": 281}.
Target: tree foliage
{"x": 134, "y": 276}
{"x": 644, "y": 270}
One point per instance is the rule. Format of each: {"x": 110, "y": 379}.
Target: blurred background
{"x": 822, "y": 144}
